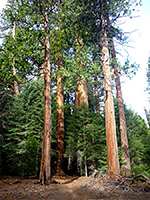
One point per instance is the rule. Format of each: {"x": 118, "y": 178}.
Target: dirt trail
{"x": 63, "y": 188}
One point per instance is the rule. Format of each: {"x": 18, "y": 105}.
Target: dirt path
{"x": 68, "y": 189}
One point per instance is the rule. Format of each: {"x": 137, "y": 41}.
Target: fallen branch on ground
{"x": 137, "y": 176}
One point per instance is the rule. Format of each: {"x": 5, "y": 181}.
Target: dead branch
{"x": 137, "y": 176}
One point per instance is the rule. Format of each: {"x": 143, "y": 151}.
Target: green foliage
{"x": 26, "y": 129}
{"x": 70, "y": 22}
{"x": 28, "y": 164}
{"x": 6, "y": 104}
{"x": 85, "y": 140}
{"x": 142, "y": 169}
{"x": 138, "y": 139}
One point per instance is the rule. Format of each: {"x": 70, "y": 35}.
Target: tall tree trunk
{"x": 111, "y": 138}
{"x": 97, "y": 96}
{"x": 123, "y": 130}
{"x": 45, "y": 172}
{"x": 60, "y": 131}
{"x": 16, "y": 90}
{"x": 82, "y": 93}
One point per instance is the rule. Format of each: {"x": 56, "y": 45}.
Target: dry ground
{"x": 67, "y": 188}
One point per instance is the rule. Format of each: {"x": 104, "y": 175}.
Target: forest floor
{"x": 72, "y": 188}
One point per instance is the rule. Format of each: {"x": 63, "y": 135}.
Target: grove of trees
{"x": 58, "y": 74}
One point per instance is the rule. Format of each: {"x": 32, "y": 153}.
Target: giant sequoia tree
{"x": 71, "y": 38}
{"x": 112, "y": 148}
{"x": 123, "y": 131}
{"x": 45, "y": 161}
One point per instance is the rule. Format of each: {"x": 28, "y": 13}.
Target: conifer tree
{"x": 112, "y": 148}
{"x": 123, "y": 131}
{"x": 85, "y": 142}
{"x": 45, "y": 171}
{"x": 60, "y": 131}
{"x": 25, "y": 126}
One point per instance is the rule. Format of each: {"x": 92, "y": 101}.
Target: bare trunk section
{"x": 111, "y": 138}
{"x": 16, "y": 90}
{"x": 97, "y": 96}
{"x": 123, "y": 130}
{"x": 85, "y": 166}
{"x": 60, "y": 131}
{"x": 82, "y": 92}
{"x": 45, "y": 172}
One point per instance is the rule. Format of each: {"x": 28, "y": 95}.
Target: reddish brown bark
{"x": 110, "y": 125}
{"x": 45, "y": 172}
{"x": 123, "y": 130}
{"x": 82, "y": 93}
{"x": 60, "y": 131}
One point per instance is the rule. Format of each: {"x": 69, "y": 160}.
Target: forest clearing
{"x": 71, "y": 188}
{"x": 62, "y": 114}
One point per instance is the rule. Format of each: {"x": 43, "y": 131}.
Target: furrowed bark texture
{"x": 60, "y": 131}
{"x": 45, "y": 172}
{"x": 111, "y": 138}
{"x": 123, "y": 130}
